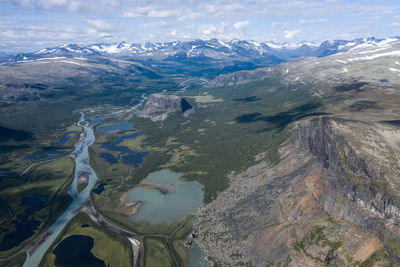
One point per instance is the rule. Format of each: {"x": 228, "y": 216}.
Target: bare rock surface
{"x": 305, "y": 211}
{"x": 159, "y": 106}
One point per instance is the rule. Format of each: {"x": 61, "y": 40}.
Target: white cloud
{"x": 190, "y": 16}
{"x": 223, "y": 31}
{"x": 310, "y": 21}
{"x": 275, "y": 24}
{"x": 207, "y": 29}
{"x": 213, "y": 9}
{"x": 99, "y": 25}
{"x": 291, "y": 34}
{"x": 151, "y": 11}
{"x": 155, "y": 24}
{"x": 141, "y": 20}
{"x": 241, "y": 25}
{"x": 74, "y": 6}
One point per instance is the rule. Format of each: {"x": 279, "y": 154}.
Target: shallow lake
{"x": 197, "y": 256}
{"x": 128, "y": 157}
{"x": 63, "y": 140}
{"x": 43, "y": 154}
{"x": 109, "y": 158}
{"x": 158, "y": 208}
{"x": 123, "y": 126}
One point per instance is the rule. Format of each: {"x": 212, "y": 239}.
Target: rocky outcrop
{"x": 159, "y": 106}
{"x": 278, "y": 215}
{"x": 242, "y": 77}
{"x": 359, "y": 187}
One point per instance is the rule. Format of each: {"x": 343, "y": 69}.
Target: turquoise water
{"x": 81, "y": 165}
{"x": 197, "y": 256}
{"x": 157, "y": 208}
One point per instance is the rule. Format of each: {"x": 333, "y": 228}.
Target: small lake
{"x": 114, "y": 145}
{"x": 109, "y": 158}
{"x": 122, "y": 126}
{"x": 66, "y": 138}
{"x": 24, "y": 229}
{"x": 43, "y": 154}
{"x": 158, "y": 208}
{"x": 63, "y": 140}
{"x": 75, "y": 250}
{"x": 128, "y": 157}
{"x": 99, "y": 189}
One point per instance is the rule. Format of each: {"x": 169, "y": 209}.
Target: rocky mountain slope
{"x": 334, "y": 197}
{"x": 159, "y": 106}
{"x": 43, "y": 79}
{"x": 214, "y": 48}
{"x": 353, "y": 64}
{"x": 39, "y": 76}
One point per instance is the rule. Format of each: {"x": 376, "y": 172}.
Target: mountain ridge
{"x": 213, "y": 48}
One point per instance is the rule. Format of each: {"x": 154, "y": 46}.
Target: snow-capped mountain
{"x": 213, "y": 49}
{"x": 67, "y": 50}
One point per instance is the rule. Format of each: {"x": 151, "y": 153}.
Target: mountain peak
{"x": 212, "y": 48}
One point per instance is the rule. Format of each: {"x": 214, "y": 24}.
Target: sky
{"x": 29, "y": 25}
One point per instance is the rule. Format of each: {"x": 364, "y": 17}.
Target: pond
{"x": 133, "y": 159}
{"x": 114, "y": 145}
{"x": 99, "y": 189}
{"x": 157, "y": 207}
{"x": 128, "y": 157}
{"x": 75, "y": 251}
{"x": 42, "y": 154}
{"x": 109, "y": 158}
{"x": 24, "y": 229}
{"x": 62, "y": 140}
{"x": 66, "y": 138}
{"x": 122, "y": 126}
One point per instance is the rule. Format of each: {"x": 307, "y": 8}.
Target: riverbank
{"x": 38, "y": 248}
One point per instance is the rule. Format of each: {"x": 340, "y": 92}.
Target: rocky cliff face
{"x": 334, "y": 198}
{"x": 159, "y": 106}
{"x": 305, "y": 211}
{"x": 360, "y": 186}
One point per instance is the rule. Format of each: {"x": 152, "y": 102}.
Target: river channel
{"x": 81, "y": 157}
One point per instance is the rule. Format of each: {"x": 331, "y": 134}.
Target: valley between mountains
{"x": 287, "y": 161}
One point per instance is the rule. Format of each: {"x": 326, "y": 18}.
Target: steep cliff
{"x": 158, "y": 106}
{"x": 361, "y": 180}
{"x": 305, "y": 211}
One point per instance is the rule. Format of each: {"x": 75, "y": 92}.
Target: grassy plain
{"x": 179, "y": 238}
{"x": 156, "y": 252}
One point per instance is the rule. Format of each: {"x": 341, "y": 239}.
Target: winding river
{"x": 39, "y": 247}
{"x": 81, "y": 157}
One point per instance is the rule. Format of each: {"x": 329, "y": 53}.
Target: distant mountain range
{"x": 240, "y": 50}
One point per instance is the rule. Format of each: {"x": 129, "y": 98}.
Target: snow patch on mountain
{"x": 387, "y": 54}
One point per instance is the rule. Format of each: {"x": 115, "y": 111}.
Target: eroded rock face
{"x": 279, "y": 214}
{"x": 360, "y": 185}
{"x": 158, "y": 106}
